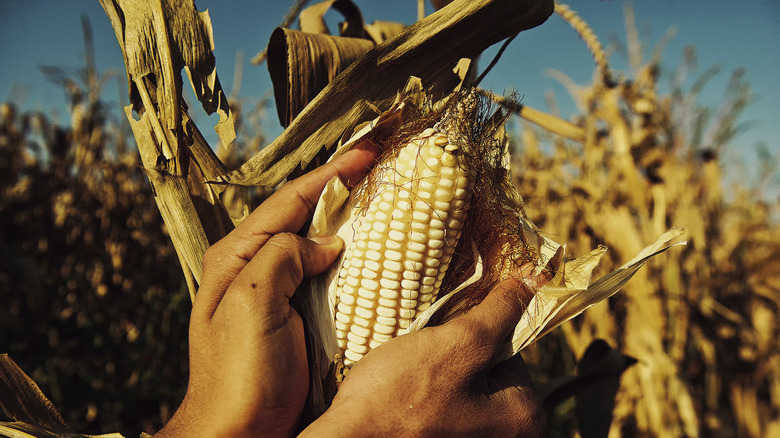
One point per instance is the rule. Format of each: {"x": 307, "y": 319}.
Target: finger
{"x": 287, "y": 210}
{"x": 277, "y": 269}
{"x": 293, "y": 204}
{"x": 496, "y": 316}
{"x": 500, "y": 311}
{"x": 370, "y": 151}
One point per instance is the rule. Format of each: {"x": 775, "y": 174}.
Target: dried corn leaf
{"x": 426, "y": 49}
{"x": 302, "y": 64}
{"x": 34, "y": 415}
{"x": 161, "y": 39}
{"x": 312, "y": 20}
{"x": 580, "y": 270}
{"x": 598, "y": 376}
{"x": 22, "y": 400}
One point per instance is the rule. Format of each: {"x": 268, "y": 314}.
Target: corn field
{"x": 702, "y": 321}
{"x": 95, "y": 306}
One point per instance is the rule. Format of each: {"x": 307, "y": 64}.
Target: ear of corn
{"x": 388, "y": 281}
{"x": 404, "y": 241}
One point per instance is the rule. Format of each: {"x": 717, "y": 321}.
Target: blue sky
{"x": 729, "y": 34}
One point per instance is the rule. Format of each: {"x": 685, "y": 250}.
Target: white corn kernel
{"x": 403, "y": 244}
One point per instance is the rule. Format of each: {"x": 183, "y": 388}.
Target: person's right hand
{"x": 442, "y": 381}
{"x": 248, "y": 365}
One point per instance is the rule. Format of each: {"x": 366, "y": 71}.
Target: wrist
{"x": 181, "y": 425}
{"x": 336, "y": 424}
{"x": 207, "y": 422}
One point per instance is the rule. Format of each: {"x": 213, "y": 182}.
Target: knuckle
{"x": 283, "y": 240}
{"x": 211, "y": 256}
{"x": 293, "y": 188}
{"x": 285, "y": 249}
{"x": 511, "y": 297}
{"x": 473, "y": 336}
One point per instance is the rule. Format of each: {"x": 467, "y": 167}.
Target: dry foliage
{"x": 79, "y": 225}
{"x": 701, "y": 323}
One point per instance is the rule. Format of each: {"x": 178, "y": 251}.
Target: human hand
{"x": 248, "y": 365}
{"x": 443, "y": 381}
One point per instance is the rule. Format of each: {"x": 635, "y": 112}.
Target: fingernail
{"x": 327, "y": 240}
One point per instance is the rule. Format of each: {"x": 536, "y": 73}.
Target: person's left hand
{"x": 248, "y": 365}
{"x": 444, "y": 380}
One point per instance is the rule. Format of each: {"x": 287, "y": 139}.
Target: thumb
{"x": 500, "y": 311}
{"x": 286, "y": 259}
{"x": 503, "y": 307}
{"x": 319, "y": 253}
